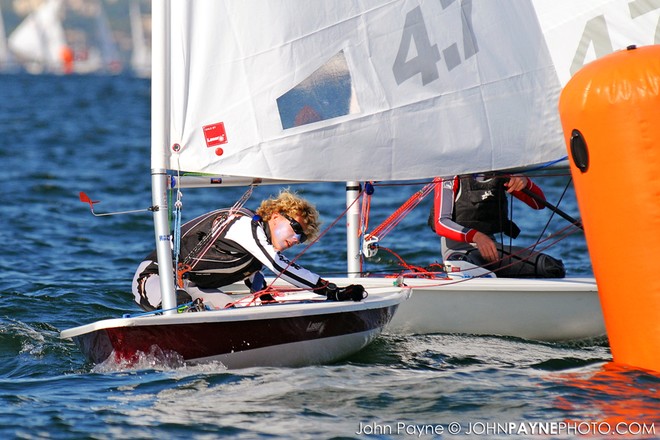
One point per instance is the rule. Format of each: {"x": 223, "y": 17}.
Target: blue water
{"x": 62, "y": 267}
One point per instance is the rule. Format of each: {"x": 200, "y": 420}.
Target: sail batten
{"x": 370, "y": 90}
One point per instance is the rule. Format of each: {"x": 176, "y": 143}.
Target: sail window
{"x": 327, "y": 93}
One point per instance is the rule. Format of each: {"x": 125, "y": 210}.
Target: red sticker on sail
{"x": 215, "y": 134}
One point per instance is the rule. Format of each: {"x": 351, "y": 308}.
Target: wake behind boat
{"x": 297, "y": 329}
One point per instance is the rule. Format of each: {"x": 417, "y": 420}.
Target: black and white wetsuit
{"x": 241, "y": 250}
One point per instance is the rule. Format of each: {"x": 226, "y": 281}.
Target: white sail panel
{"x": 361, "y": 90}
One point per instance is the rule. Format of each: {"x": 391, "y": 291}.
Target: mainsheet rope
{"x": 547, "y": 224}
{"x": 393, "y": 220}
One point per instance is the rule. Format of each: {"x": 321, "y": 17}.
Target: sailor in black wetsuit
{"x": 222, "y": 248}
{"x": 469, "y": 211}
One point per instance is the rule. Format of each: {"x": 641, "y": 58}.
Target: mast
{"x": 352, "y": 225}
{"x": 160, "y": 111}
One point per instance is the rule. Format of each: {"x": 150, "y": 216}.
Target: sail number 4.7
{"x": 599, "y": 28}
{"x": 428, "y": 55}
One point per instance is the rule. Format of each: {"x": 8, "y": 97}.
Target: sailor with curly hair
{"x": 222, "y": 247}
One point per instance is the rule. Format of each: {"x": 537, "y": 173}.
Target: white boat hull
{"x": 301, "y": 330}
{"x": 539, "y": 309}
{"x": 547, "y": 310}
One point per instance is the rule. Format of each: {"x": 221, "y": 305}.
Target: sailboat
{"x": 412, "y": 90}
{"x": 100, "y": 54}
{"x": 296, "y": 328}
{"x": 107, "y": 45}
{"x": 564, "y": 37}
{"x": 39, "y": 42}
{"x": 141, "y": 55}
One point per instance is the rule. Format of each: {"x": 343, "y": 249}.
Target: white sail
{"x": 39, "y": 40}
{"x": 99, "y": 53}
{"x": 378, "y": 90}
{"x": 111, "y": 61}
{"x": 141, "y": 55}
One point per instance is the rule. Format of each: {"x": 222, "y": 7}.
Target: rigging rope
{"x": 178, "y": 205}
{"x": 395, "y": 218}
{"x": 366, "y": 208}
{"x": 441, "y": 274}
{"x": 217, "y": 228}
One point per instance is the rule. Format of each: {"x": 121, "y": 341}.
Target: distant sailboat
{"x": 41, "y": 45}
{"x": 39, "y": 42}
{"x": 101, "y": 54}
{"x": 106, "y": 43}
{"x": 141, "y": 56}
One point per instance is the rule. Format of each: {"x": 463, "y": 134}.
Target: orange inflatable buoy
{"x": 610, "y": 113}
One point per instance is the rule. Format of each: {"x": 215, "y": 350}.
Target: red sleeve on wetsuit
{"x": 530, "y": 201}
{"x": 444, "y": 192}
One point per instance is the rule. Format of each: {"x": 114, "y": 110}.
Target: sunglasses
{"x": 297, "y": 228}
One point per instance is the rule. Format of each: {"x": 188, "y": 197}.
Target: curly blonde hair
{"x": 292, "y": 205}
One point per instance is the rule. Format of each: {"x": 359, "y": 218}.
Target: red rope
{"x": 425, "y": 272}
{"x": 364, "y": 215}
{"x": 397, "y": 216}
{"x": 418, "y": 271}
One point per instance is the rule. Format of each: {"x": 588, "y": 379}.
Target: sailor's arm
{"x": 517, "y": 184}
{"x": 443, "y": 207}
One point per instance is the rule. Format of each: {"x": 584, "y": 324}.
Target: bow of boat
{"x": 299, "y": 331}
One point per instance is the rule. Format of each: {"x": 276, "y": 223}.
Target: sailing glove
{"x": 354, "y": 292}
